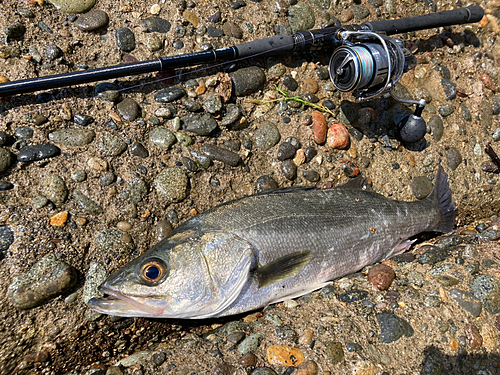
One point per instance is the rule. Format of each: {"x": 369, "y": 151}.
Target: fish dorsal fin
{"x": 287, "y": 189}
{"x": 357, "y": 183}
{"x": 282, "y": 268}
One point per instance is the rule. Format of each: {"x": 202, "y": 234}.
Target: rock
{"x": 247, "y": 80}
{"x": 87, "y": 204}
{"x": 113, "y": 243}
{"x": 307, "y": 368}
{"x": 381, "y": 276}
{"x": 231, "y": 116}
{"x": 125, "y": 39}
{"x": 301, "y": 17}
{"x": 54, "y": 189}
{"x": 338, "y": 137}
{"x": 73, "y": 6}
{"x": 221, "y": 154}
{"x": 233, "y": 30}
{"x": 47, "y": 279}
{"x": 289, "y": 169}
{"x": 263, "y": 371}
{"x": 172, "y": 184}
{"x": 487, "y": 290}
{"x": 111, "y": 145}
{"x": 421, "y": 187}
{"x": 285, "y": 332}
{"x": 138, "y": 149}
{"x": 392, "y": 327}
{"x": 266, "y": 182}
{"x": 334, "y": 352}
{"x": 433, "y": 255}
{"x": 250, "y": 343}
{"x": 199, "y": 124}
{"x": 437, "y": 129}
{"x": 290, "y": 83}
{"x": 37, "y": 152}
{"x": 128, "y": 109}
{"x": 169, "y": 95}
{"x": 311, "y": 176}
{"x": 214, "y": 32}
{"x": 92, "y": 21}
{"x": 72, "y": 137}
{"x": 450, "y": 89}
{"x": 15, "y": 31}
{"x": 284, "y": 356}
{"x": 309, "y": 86}
{"x": 454, "y": 158}
{"x": 6, "y": 159}
{"x": 446, "y": 110}
{"x": 360, "y": 12}
{"x": 134, "y": 358}
{"x": 475, "y": 338}
{"x": 154, "y": 43}
{"x": 136, "y": 190}
{"x": 433, "y": 362}
{"x": 96, "y": 275}
{"x": 162, "y": 138}
{"x": 266, "y": 136}
{"x": 286, "y": 151}
{"x": 156, "y": 24}
{"x": 6, "y": 239}
{"x": 465, "y": 112}
{"x": 320, "y": 127}
{"x": 353, "y": 296}
{"x": 467, "y": 301}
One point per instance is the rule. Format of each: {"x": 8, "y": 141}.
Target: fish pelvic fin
{"x": 441, "y": 197}
{"x": 282, "y": 268}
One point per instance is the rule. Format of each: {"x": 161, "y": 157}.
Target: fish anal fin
{"x": 282, "y": 268}
{"x": 401, "y": 248}
{"x": 359, "y": 182}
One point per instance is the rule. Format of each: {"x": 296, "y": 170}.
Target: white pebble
{"x": 155, "y": 9}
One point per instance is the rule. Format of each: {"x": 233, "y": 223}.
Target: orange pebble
{"x": 284, "y": 356}
{"x": 338, "y": 137}
{"x": 59, "y": 220}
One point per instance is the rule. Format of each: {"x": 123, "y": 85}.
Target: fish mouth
{"x": 118, "y": 304}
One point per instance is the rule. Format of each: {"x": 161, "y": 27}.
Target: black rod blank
{"x": 273, "y": 46}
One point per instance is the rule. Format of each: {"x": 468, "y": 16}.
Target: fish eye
{"x": 153, "y": 271}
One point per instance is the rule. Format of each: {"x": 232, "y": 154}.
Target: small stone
{"x": 136, "y": 190}
{"x": 15, "y": 31}
{"x": 47, "y": 279}
{"x": 232, "y": 115}
{"x": 66, "y": 6}
{"x": 290, "y": 83}
{"x": 154, "y": 42}
{"x": 162, "y": 138}
{"x": 437, "y": 129}
{"x": 353, "y": 296}
{"x": 213, "y": 103}
{"x": 125, "y": 39}
{"x": 263, "y": 371}
{"x": 87, "y": 204}
{"x": 128, "y": 109}
{"x": 338, "y": 137}
{"x": 248, "y": 360}
{"x": 6, "y": 159}
{"x": 23, "y": 132}
{"x": 320, "y": 127}
{"x": 266, "y": 182}
{"x": 54, "y": 189}
{"x": 446, "y": 110}
{"x": 488, "y": 82}
{"x": 156, "y": 25}
{"x": 289, "y": 169}
{"x": 311, "y": 176}
{"x": 169, "y": 95}
{"x": 79, "y": 176}
{"x": 172, "y": 184}
{"x": 360, "y": 12}
{"x": 233, "y": 30}
{"x": 248, "y": 80}
{"x": 286, "y": 333}
{"x": 221, "y": 154}
{"x": 309, "y": 86}
{"x": 334, "y": 352}
{"x": 266, "y": 136}
{"x": 214, "y": 32}
{"x": 454, "y": 158}
{"x": 114, "y": 243}
{"x": 203, "y": 160}
{"x": 250, "y": 343}
{"x": 138, "y": 149}
{"x": 72, "y": 137}
{"x": 37, "y": 152}
{"x": 286, "y": 151}
{"x": 393, "y": 327}
{"x": 421, "y": 187}
{"x": 467, "y": 301}
{"x": 381, "y": 276}
{"x": 92, "y": 21}
{"x": 59, "y": 220}
{"x": 284, "y": 356}
{"x": 301, "y": 17}
{"x": 191, "y": 17}
{"x": 199, "y": 124}
{"x": 111, "y": 145}
{"x": 433, "y": 255}
{"x": 475, "y": 338}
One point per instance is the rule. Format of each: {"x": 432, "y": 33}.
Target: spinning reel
{"x": 369, "y": 65}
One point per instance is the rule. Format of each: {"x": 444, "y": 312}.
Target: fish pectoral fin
{"x": 359, "y": 182}
{"x": 303, "y": 292}
{"x": 282, "y": 268}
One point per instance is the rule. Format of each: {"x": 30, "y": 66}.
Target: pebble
{"x": 301, "y": 17}
{"x": 454, "y": 158}
{"x": 266, "y": 182}
{"x": 263, "y": 371}
{"x": 266, "y": 136}
{"x": 433, "y": 255}
{"x": 289, "y": 169}
{"x": 290, "y": 83}
{"x": 15, "y": 31}
{"x": 475, "y": 338}
{"x": 138, "y": 149}
{"x": 162, "y": 138}
{"x": 48, "y": 278}
{"x": 248, "y": 80}
{"x": 353, "y": 296}
{"x": 154, "y": 42}
{"x": 360, "y": 12}
{"x": 5, "y": 185}
{"x": 163, "y": 229}
{"x": 214, "y": 32}
{"x": 36, "y": 153}
{"x": 87, "y": 204}
{"x": 286, "y": 151}
{"x": 250, "y": 343}
{"x": 156, "y": 24}
{"x": 311, "y": 176}
{"x": 79, "y": 176}
{"x": 421, "y": 187}
{"x": 69, "y": 6}
{"x": 392, "y": 327}
{"x": 248, "y": 360}
{"x": 54, "y": 189}
{"x": 134, "y": 358}
{"x": 191, "y": 17}
{"x": 96, "y": 275}
{"x": 172, "y": 184}
{"x": 489, "y": 167}
{"x": 107, "y": 91}
{"x": 450, "y": 89}
{"x": 381, "y": 276}
{"x": 72, "y": 137}
{"x": 221, "y": 154}
{"x": 338, "y": 137}
{"x": 320, "y": 127}
{"x": 213, "y": 103}
{"x": 128, "y": 109}
{"x": 202, "y": 159}
{"x": 111, "y": 145}
{"x": 334, "y": 352}
{"x": 114, "y": 244}
{"x": 114, "y": 370}
{"x": 191, "y": 105}
{"x": 92, "y": 21}
{"x": 284, "y": 356}
{"x": 6, "y": 159}
{"x": 446, "y": 110}
{"x": 125, "y": 39}
{"x": 435, "y": 124}
{"x": 6, "y": 239}
{"x": 231, "y": 116}
{"x": 233, "y": 30}
{"x": 23, "y": 132}
{"x": 487, "y": 290}
{"x": 199, "y": 124}
{"x": 467, "y": 301}
{"x": 136, "y": 190}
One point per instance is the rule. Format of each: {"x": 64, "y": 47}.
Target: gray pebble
{"x": 266, "y": 182}
{"x": 54, "y": 189}
{"x": 163, "y": 229}
{"x": 433, "y": 255}
{"x": 433, "y": 361}
{"x": 467, "y": 301}
{"x": 80, "y": 6}
{"x": 360, "y": 12}
{"x": 180, "y": 31}
{"x": 199, "y": 124}
{"x": 213, "y": 103}
{"x": 248, "y": 80}
{"x": 172, "y": 184}
{"x": 496, "y": 135}
{"x": 136, "y": 190}
{"x": 392, "y": 327}
{"x": 203, "y": 160}
{"x": 348, "y": 113}
{"x": 421, "y": 187}
{"x": 266, "y": 136}
{"x": 107, "y": 91}
{"x": 107, "y": 178}
{"x": 286, "y": 151}
{"x": 156, "y": 24}
{"x": 47, "y": 279}
{"x": 72, "y": 137}
{"x": 232, "y": 115}
{"x": 36, "y": 153}
{"x": 170, "y": 94}
{"x": 214, "y": 32}
{"x": 114, "y": 370}
{"x": 39, "y": 202}
{"x": 79, "y": 176}
{"x": 128, "y": 109}
{"x": 233, "y": 30}
{"x": 6, "y": 239}
{"x": 178, "y": 44}
{"x": 446, "y": 110}
{"x": 353, "y": 296}
{"x": 184, "y": 139}
{"x": 52, "y": 52}
{"x": 87, "y": 204}
{"x": 289, "y": 169}
{"x": 250, "y": 343}
{"x": 162, "y": 138}
{"x": 111, "y": 242}
{"x": 15, "y": 31}
{"x": 83, "y": 120}
{"x": 286, "y": 333}
{"x": 221, "y": 154}
{"x": 454, "y": 158}
{"x": 138, "y": 149}
{"x": 191, "y": 105}
{"x": 96, "y": 275}
{"x": 111, "y": 145}
{"x": 25, "y": 12}
{"x": 290, "y": 83}
{"x": 125, "y": 39}
{"x": 92, "y": 21}
{"x": 6, "y": 138}
{"x": 6, "y": 159}
{"x": 465, "y": 112}
{"x": 173, "y": 217}
{"x": 311, "y": 176}
{"x": 6, "y": 185}
{"x": 190, "y": 164}
{"x": 450, "y": 89}
{"x": 154, "y": 43}
{"x": 23, "y": 132}
{"x": 483, "y": 285}
{"x": 301, "y": 17}
{"x": 437, "y": 129}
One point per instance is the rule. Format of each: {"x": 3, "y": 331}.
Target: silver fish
{"x": 270, "y": 247}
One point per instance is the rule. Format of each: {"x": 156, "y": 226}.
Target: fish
{"x": 269, "y": 247}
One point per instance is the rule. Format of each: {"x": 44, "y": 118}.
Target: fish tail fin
{"x": 441, "y": 197}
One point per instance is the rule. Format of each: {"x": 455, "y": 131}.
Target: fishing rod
{"x": 365, "y": 61}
